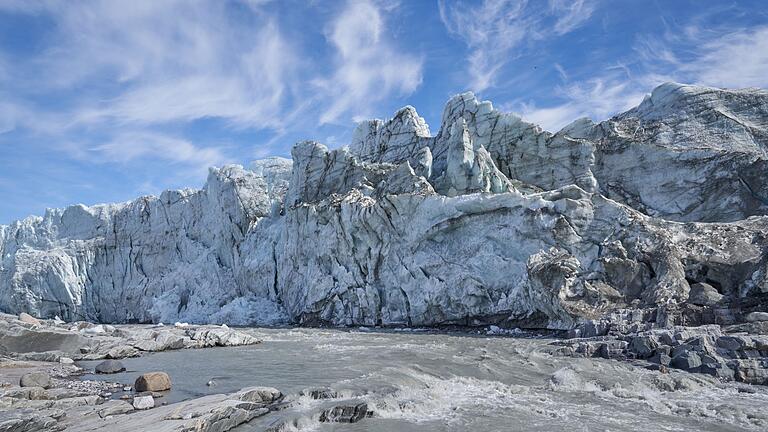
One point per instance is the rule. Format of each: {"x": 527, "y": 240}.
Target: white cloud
{"x": 724, "y": 56}
{"x": 368, "y": 67}
{"x": 136, "y": 73}
{"x": 490, "y": 31}
{"x": 597, "y": 99}
{"x": 570, "y": 14}
{"x": 737, "y": 59}
{"x": 495, "y": 28}
{"x": 718, "y": 57}
{"x": 129, "y": 146}
{"x": 561, "y": 70}
{"x": 171, "y": 61}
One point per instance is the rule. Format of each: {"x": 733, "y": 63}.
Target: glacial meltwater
{"x": 424, "y": 381}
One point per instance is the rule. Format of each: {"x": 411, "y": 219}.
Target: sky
{"x": 105, "y": 101}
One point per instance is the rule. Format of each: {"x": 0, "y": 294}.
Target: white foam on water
{"x": 677, "y": 396}
{"x": 428, "y": 398}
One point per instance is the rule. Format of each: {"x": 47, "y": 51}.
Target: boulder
{"x": 169, "y": 341}
{"x": 115, "y": 407}
{"x": 733, "y": 343}
{"x": 704, "y": 294}
{"x": 686, "y": 360}
{"x": 643, "y": 346}
{"x": 751, "y": 372}
{"x": 35, "y": 379}
{"x": 143, "y": 402}
{"x": 152, "y": 381}
{"x": 122, "y": 351}
{"x": 31, "y": 393}
{"x": 716, "y": 366}
{"x": 147, "y": 345}
{"x": 757, "y": 316}
{"x": 351, "y": 413}
{"x": 29, "y": 319}
{"x": 109, "y": 367}
{"x": 320, "y": 393}
{"x": 613, "y": 349}
{"x": 660, "y": 358}
{"x": 262, "y": 395}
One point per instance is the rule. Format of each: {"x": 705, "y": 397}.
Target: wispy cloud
{"x": 126, "y": 147}
{"x": 490, "y": 31}
{"x": 728, "y": 56}
{"x": 597, "y": 99}
{"x": 171, "y": 61}
{"x": 493, "y": 30}
{"x": 720, "y": 56}
{"x": 570, "y": 14}
{"x": 736, "y": 59}
{"x": 368, "y": 67}
{"x": 147, "y": 69}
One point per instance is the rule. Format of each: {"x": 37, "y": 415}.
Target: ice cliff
{"x": 490, "y": 220}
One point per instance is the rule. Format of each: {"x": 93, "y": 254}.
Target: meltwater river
{"x": 422, "y": 381}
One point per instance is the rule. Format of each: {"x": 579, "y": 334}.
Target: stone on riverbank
{"x": 115, "y": 407}
{"x": 706, "y": 349}
{"x": 35, "y": 379}
{"x": 29, "y": 319}
{"x": 143, "y": 402}
{"x": 152, "y": 381}
{"x": 109, "y": 367}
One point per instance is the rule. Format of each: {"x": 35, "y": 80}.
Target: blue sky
{"x": 104, "y": 101}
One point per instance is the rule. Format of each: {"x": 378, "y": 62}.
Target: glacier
{"x": 491, "y": 220}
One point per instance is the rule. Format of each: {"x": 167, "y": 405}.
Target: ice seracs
{"x": 491, "y": 221}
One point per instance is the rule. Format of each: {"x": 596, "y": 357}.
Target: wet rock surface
{"x": 352, "y": 413}
{"x": 725, "y": 352}
{"x": 109, "y": 367}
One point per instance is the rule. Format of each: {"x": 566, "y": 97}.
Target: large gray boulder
{"x": 109, "y": 367}
{"x": 35, "y": 379}
{"x": 704, "y": 294}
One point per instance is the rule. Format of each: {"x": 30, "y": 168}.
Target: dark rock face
{"x": 704, "y": 294}
{"x": 320, "y": 393}
{"x": 686, "y": 360}
{"x": 707, "y": 349}
{"x": 345, "y": 413}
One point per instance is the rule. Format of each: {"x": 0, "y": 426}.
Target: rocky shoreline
{"x": 41, "y": 389}
{"x": 732, "y": 352}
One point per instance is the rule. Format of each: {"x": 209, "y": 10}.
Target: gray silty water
{"x": 435, "y": 382}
